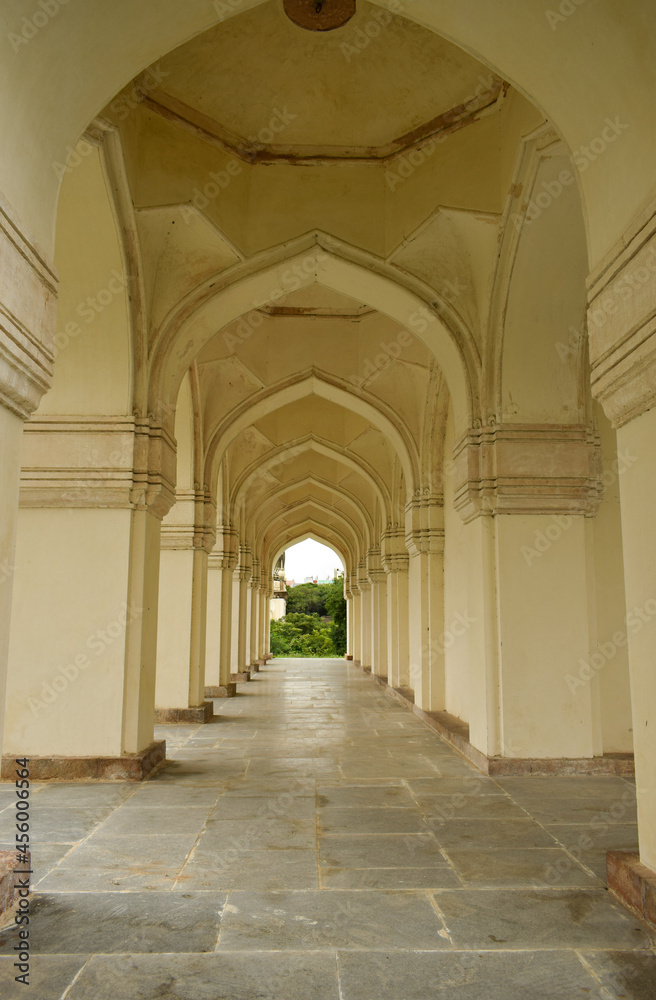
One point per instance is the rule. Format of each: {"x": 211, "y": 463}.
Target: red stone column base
{"x": 241, "y": 677}
{"x": 185, "y": 716}
{"x": 128, "y": 767}
{"x": 633, "y": 883}
{"x": 221, "y": 690}
{"x": 348, "y": 656}
{"x": 10, "y": 872}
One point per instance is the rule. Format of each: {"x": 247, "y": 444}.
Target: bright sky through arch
{"x": 310, "y": 558}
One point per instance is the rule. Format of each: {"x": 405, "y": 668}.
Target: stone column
{"x": 356, "y": 620}
{"x": 378, "y": 581}
{"x": 28, "y": 295}
{"x": 525, "y": 493}
{"x": 254, "y": 624}
{"x": 622, "y": 305}
{"x": 181, "y": 638}
{"x": 395, "y": 561}
{"x": 364, "y": 589}
{"x": 349, "y": 622}
{"x": 93, "y": 495}
{"x": 425, "y": 543}
{"x": 243, "y": 574}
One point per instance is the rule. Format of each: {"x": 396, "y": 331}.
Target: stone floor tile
{"x": 490, "y": 833}
{"x": 264, "y": 831}
{"x": 411, "y": 850}
{"x": 625, "y": 975}
{"x": 470, "y": 807}
{"x": 83, "y": 922}
{"x": 548, "y": 918}
{"x": 153, "y": 795}
{"x": 466, "y": 784}
{"x": 336, "y": 819}
{"x": 278, "y": 806}
{"x": 264, "y": 870}
{"x": 161, "y": 852}
{"x": 525, "y": 868}
{"x": 144, "y": 822}
{"x": 269, "y": 976}
{"x": 438, "y": 877}
{"x": 556, "y": 975}
{"x": 50, "y": 977}
{"x": 586, "y": 811}
{"x": 291, "y": 921}
{"x": 349, "y": 796}
{"x": 52, "y": 825}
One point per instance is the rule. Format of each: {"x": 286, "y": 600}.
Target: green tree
{"x": 301, "y": 635}
{"x": 336, "y": 608}
{"x": 308, "y": 599}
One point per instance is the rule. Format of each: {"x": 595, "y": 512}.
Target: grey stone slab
{"x": 49, "y": 978}
{"x": 520, "y": 868}
{"x": 285, "y": 976}
{"x": 437, "y": 877}
{"x": 451, "y": 784}
{"x": 626, "y": 975}
{"x": 298, "y": 785}
{"x": 470, "y": 807}
{"x": 84, "y": 795}
{"x": 368, "y": 820}
{"x": 260, "y": 832}
{"x": 145, "y": 822}
{"x": 364, "y": 796}
{"x": 489, "y": 833}
{"x": 290, "y": 921}
{"x": 153, "y": 795}
{"x": 279, "y": 806}
{"x": 600, "y": 837}
{"x": 413, "y": 850}
{"x": 564, "y": 786}
{"x": 160, "y": 852}
{"x": 83, "y": 922}
{"x": 52, "y": 825}
{"x": 548, "y": 918}
{"x": 554, "y": 975}
{"x": 107, "y": 880}
{"x": 586, "y": 811}
{"x": 265, "y": 870}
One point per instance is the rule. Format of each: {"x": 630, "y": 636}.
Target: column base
{"x": 221, "y": 690}
{"x": 127, "y": 767}
{"x": 185, "y": 716}
{"x": 456, "y": 732}
{"x": 240, "y": 677}
{"x": 255, "y": 667}
{"x": 9, "y": 867}
{"x": 633, "y": 883}
{"x": 348, "y": 656}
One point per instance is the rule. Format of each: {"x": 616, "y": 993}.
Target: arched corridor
{"x": 318, "y": 832}
{"x": 389, "y": 285}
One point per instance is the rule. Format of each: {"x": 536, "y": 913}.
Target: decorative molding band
{"x": 528, "y": 469}
{"x": 28, "y": 299}
{"x": 622, "y": 323}
{"x": 120, "y": 462}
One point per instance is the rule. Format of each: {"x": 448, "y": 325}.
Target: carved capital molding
{"x": 424, "y": 524}
{"x": 28, "y": 298}
{"x": 393, "y": 553}
{"x": 528, "y": 469}
{"x": 622, "y": 323}
{"x": 98, "y": 462}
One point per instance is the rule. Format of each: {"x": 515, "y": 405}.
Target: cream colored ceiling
{"x": 260, "y": 84}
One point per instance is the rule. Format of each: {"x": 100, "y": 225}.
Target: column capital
{"x": 622, "y": 323}
{"x": 394, "y": 554}
{"x": 424, "y": 523}
{"x": 114, "y": 461}
{"x": 527, "y": 469}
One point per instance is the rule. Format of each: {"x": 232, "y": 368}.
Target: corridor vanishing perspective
{"x": 316, "y": 840}
{"x": 373, "y": 274}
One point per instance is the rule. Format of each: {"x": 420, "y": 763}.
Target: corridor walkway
{"x": 318, "y": 842}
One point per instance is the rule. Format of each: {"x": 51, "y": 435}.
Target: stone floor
{"x": 318, "y": 842}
